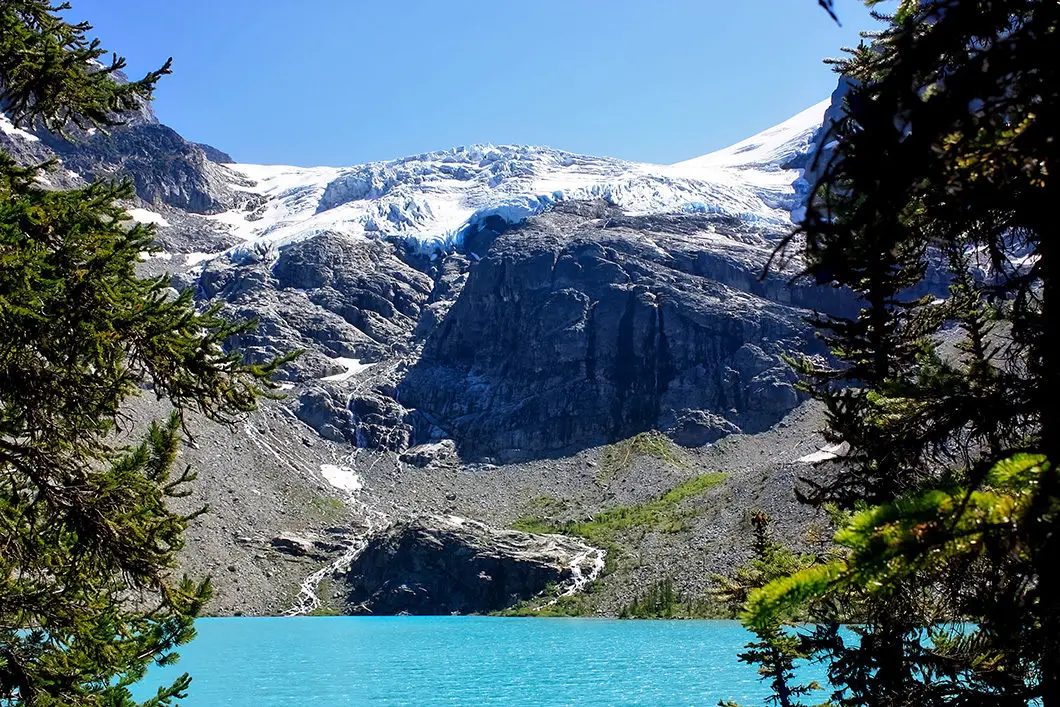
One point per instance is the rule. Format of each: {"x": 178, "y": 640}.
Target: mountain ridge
{"x": 480, "y": 327}
{"x": 432, "y": 199}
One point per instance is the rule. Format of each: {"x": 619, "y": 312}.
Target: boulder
{"x": 294, "y": 545}
{"x": 695, "y": 428}
{"x": 438, "y": 565}
{"x": 423, "y": 455}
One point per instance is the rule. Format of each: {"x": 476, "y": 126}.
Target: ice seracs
{"x": 433, "y": 200}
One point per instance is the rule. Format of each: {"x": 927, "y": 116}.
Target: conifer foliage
{"x": 778, "y": 650}
{"x": 87, "y": 543}
{"x": 935, "y": 208}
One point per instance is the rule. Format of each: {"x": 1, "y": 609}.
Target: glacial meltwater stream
{"x": 469, "y": 661}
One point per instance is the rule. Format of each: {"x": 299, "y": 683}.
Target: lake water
{"x": 463, "y": 661}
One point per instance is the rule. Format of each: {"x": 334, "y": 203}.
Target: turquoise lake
{"x": 463, "y": 661}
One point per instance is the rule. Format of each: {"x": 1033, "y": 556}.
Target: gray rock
{"x": 431, "y": 453}
{"x": 318, "y": 409}
{"x": 215, "y": 155}
{"x": 164, "y": 167}
{"x": 328, "y": 295}
{"x": 695, "y": 428}
{"x": 377, "y": 421}
{"x": 574, "y": 331}
{"x": 443, "y": 564}
{"x": 294, "y": 545}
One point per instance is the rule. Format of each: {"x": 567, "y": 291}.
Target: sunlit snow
{"x": 353, "y": 367}
{"x": 764, "y": 154}
{"x": 824, "y": 454}
{"x": 147, "y": 216}
{"x": 6, "y": 126}
{"x": 196, "y": 258}
{"x": 341, "y": 477}
{"x": 434, "y": 199}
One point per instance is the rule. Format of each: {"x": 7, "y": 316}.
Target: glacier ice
{"x": 433, "y": 200}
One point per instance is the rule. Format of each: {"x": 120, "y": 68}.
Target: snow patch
{"x": 767, "y": 151}
{"x": 824, "y": 454}
{"x": 6, "y": 126}
{"x": 191, "y": 259}
{"x": 353, "y": 367}
{"x": 341, "y": 477}
{"x": 147, "y": 216}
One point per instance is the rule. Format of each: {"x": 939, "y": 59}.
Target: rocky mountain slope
{"x": 485, "y": 329}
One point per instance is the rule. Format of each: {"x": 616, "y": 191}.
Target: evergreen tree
{"x": 942, "y": 172}
{"x": 87, "y": 542}
{"x": 778, "y": 649}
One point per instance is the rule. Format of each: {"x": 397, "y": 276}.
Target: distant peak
{"x": 770, "y": 149}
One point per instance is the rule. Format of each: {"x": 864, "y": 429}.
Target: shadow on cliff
{"x": 578, "y": 329}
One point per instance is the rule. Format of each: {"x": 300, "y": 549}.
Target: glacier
{"x": 432, "y": 200}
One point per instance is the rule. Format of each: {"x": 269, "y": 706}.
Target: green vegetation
{"x": 662, "y": 601}
{"x": 327, "y": 505}
{"x": 943, "y": 170}
{"x": 619, "y": 457}
{"x": 662, "y": 514}
{"x": 551, "y": 605}
{"x": 609, "y": 530}
{"x": 87, "y": 600}
{"x": 770, "y": 561}
{"x": 547, "y": 506}
{"x": 778, "y": 650}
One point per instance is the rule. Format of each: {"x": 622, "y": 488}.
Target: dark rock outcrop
{"x": 335, "y": 299}
{"x": 296, "y": 546}
{"x": 582, "y": 326}
{"x": 164, "y": 167}
{"x": 443, "y": 565}
{"x": 215, "y": 155}
{"x": 176, "y": 178}
{"x": 576, "y": 330}
{"x": 328, "y": 295}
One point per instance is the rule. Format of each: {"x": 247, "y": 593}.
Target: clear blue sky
{"x": 341, "y": 82}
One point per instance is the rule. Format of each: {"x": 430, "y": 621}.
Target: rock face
{"x": 585, "y": 325}
{"x": 184, "y": 180}
{"x": 331, "y": 296}
{"x": 433, "y": 565}
{"x": 349, "y": 306}
{"x": 215, "y": 155}
{"x": 545, "y": 320}
{"x": 165, "y": 168}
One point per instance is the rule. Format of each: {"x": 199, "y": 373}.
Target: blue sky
{"x": 343, "y": 82}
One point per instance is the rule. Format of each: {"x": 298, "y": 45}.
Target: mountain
{"x": 433, "y": 200}
{"x": 525, "y": 301}
{"x": 493, "y": 333}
